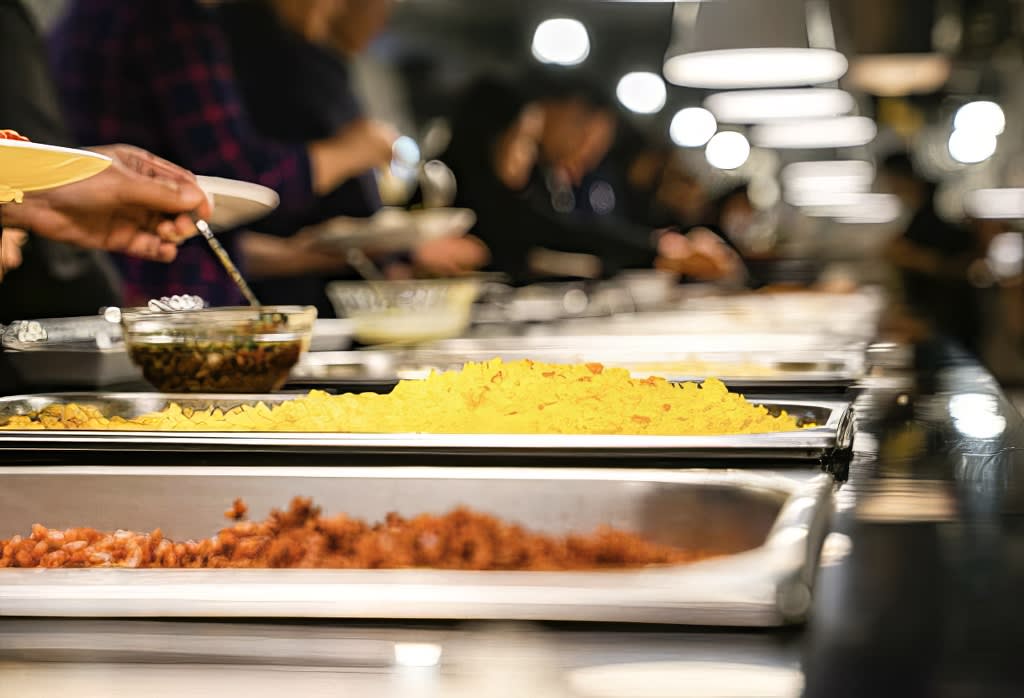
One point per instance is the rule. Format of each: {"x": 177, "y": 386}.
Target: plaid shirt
{"x": 155, "y": 73}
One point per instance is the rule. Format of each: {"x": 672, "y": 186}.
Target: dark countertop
{"x": 916, "y": 597}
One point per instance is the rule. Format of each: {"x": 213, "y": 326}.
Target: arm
{"x": 271, "y": 257}
{"x": 140, "y": 205}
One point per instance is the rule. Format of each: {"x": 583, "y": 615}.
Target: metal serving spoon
{"x": 225, "y": 261}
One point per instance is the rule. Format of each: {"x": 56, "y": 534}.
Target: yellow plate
{"x": 28, "y": 166}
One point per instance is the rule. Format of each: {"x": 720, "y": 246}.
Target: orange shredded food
{"x": 301, "y": 537}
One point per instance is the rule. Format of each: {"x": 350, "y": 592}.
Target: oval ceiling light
{"x": 864, "y": 208}
{"x": 835, "y": 132}
{"x": 971, "y": 147}
{"x": 829, "y": 175}
{"x": 641, "y": 92}
{"x": 727, "y": 150}
{"x": 755, "y": 67}
{"x": 561, "y": 41}
{"x": 729, "y": 44}
{"x": 981, "y": 117}
{"x": 692, "y": 127}
{"x": 758, "y": 106}
{"x": 1003, "y": 203}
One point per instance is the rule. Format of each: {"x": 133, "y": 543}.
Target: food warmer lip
{"x": 769, "y": 585}
{"x": 379, "y": 368}
{"x": 835, "y": 434}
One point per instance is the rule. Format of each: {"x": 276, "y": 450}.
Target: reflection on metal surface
{"x": 977, "y": 416}
{"x": 906, "y": 500}
{"x": 684, "y": 679}
{"x": 836, "y": 548}
{"x": 417, "y": 654}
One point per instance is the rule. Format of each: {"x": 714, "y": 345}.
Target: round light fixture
{"x": 641, "y": 92}
{"x": 561, "y": 41}
{"x": 971, "y": 147}
{"x": 835, "y": 132}
{"x": 982, "y": 117}
{"x": 758, "y": 106}
{"x": 692, "y": 127}
{"x": 755, "y": 67}
{"x": 727, "y": 150}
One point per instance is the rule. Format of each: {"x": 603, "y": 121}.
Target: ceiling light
{"x": 858, "y": 208}
{"x": 817, "y": 183}
{"x": 982, "y": 117}
{"x": 727, "y": 150}
{"x": 899, "y": 74}
{"x": 1004, "y": 204}
{"x": 829, "y": 175}
{"x": 971, "y": 147}
{"x": 643, "y": 93}
{"x": 757, "y": 106}
{"x": 561, "y": 42}
{"x": 755, "y": 67}
{"x": 835, "y": 132}
{"x": 692, "y": 127}
{"x": 751, "y": 43}
{"x": 1006, "y": 255}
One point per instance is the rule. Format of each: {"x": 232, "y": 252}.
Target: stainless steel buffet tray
{"x": 834, "y": 433}
{"x": 353, "y": 370}
{"x": 770, "y": 527}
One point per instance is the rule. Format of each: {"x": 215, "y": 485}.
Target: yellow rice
{"x": 493, "y": 397}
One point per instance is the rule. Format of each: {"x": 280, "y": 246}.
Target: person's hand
{"x": 367, "y": 145}
{"x": 451, "y": 256}
{"x": 700, "y": 255}
{"x": 140, "y": 206}
{"x": 10, "y": 251}
{"x": 361, "y": 146}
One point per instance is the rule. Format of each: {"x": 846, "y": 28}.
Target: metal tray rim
{"x": 747, "y": 588}
{"x": 808, "y": 443}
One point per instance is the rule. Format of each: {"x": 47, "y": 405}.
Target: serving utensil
{"x": 225, "y": 260}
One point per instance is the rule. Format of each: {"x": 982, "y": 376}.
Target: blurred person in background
{"x": 932, "y": 257}
{"x": 55, "y": 279}
{"x": 58, "y": 268}
{"x": 518, "y": 158}
{"x": 158, "y": 74}
{"x": 291, "y": 60}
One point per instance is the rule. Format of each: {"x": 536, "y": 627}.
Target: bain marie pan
{"x": 834, "y": 433}
{"x": 768, "y": 528}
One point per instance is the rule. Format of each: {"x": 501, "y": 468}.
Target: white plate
{"x": 394, "y": 229}
{"x": 236, "y": 203}
{"x": 26, "y": 166}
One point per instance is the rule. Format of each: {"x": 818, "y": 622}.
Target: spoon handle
{"x": 225, "y": 260}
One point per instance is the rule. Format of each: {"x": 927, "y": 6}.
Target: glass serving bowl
{"x": 406, "y": 312}
{"x": 218, "y": 350}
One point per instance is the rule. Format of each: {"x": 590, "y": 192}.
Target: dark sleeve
{"x": 28, "y": 101}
